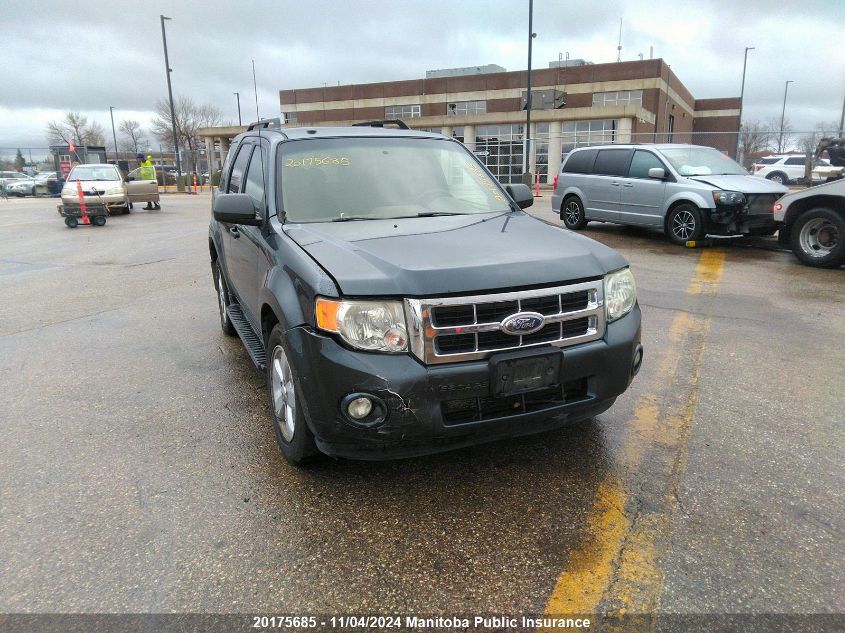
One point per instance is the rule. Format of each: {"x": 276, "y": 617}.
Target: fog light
{"x": 638, "y": 360}
{"x": 359, "y": 408}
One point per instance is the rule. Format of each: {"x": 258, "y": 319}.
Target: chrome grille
{"x": 453, "y": 329}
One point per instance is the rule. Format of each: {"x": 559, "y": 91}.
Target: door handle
{"x": 628, "y": 184}
{"x": 235, "y": 232}
{"x": 615, "y": 184}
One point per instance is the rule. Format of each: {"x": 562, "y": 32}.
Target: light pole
{"x": 782, "y": 113}
{"x": 526, "y": 150}
{"x": 238, "y": 95}
{"x": 114, "y": 136}
{"x": 742, "y": 101}
{"x": 180, "y": 186}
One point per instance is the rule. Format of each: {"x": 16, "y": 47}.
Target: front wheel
{"x": 572, "y": 214}
{"x": 292, "y": 433}
{"x": 817, "y": 238}
{"x": 684, "y": 224}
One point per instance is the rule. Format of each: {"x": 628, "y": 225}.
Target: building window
{"x": 671, "y": 128}
{"x": 581, "y": 133}
{"x": 499, "y": 147}
{"x": 466, "y": 108}
{"x": 402, "y": 112}
{"x": 289, "y": 117}
{"x": 620, "y": 97}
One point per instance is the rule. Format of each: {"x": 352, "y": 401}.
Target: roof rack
{"x": 397, "y": 122}
{"x": 265, "y": 123}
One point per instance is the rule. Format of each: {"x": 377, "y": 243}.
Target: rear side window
{"x": 238, "y": 169}
{"x": 797, "y": 160}
{"x": 767, "y": 161}
{"x": 642, "y": 162}
{"x": 580, "y": 162}
{"x": 612, "y": 162}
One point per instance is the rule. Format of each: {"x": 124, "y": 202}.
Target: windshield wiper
{"x": 430, "y": 214}
{"x": 350, "y": 218}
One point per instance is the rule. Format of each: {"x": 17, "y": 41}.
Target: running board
{"x": 253, "y": 343}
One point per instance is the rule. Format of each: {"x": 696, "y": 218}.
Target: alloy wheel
{"x": 284, "y": 400}
{"x": 683, "y": 225}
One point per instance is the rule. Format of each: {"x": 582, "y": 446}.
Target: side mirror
{"x": 657, "y": 172}
{"x": 130, "y": 178}
{"x": 234, "y": 208}
{"x": 521, "y": 194}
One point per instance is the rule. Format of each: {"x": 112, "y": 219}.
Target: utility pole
{"x": 238, "y": 95}
{"x": 741, "y": 102}
{"x": 782, "y": 113}
{"x": 180, "y": 186}
{"x": 114, "y": 136}
{"x": 526, "y": 150}
{"x": 842, "y": 119}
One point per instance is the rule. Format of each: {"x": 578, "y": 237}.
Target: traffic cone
{"x": 537, "y": 186}
{"x": 82, "y": 206}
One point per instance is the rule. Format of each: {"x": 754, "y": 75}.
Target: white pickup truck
{"x": 812, "y": 223}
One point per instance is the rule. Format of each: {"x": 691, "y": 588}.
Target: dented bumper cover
{"x": 437, "y": 408}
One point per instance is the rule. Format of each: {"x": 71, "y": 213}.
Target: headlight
{"x": 376, "y": 326}
{"x": 69, "y": 192}
{"x": 728, "y": 197}
{"x": 620, "y": 293}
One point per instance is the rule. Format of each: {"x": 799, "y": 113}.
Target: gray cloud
{"x": 92, "y": 55}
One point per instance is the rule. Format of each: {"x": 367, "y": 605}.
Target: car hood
{"x": 455, "y": 254}
{"x": 99, "y": 185}
{"x": 743, "y": 184}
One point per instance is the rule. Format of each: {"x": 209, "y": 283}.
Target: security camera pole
{"x": 180, "y": 186}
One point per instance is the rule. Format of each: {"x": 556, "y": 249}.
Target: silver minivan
{"x": 688, "y": 191}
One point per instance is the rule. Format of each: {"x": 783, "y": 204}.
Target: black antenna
{"x": 260, "y": 147}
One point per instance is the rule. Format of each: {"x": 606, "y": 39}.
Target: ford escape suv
{"x": 688, "y": 191}
{"x": 401, "y": 302}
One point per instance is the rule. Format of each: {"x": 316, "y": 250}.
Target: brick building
{"x": 639, "y": 101}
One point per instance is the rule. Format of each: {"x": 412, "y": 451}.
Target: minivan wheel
{"x": 292, "y": 433}
{"x": 818, "y": 238}
{"x": 223, "y": 301}
{"x": 572, "y": 214}
{"x": 684, "y": 224}
{"x": 778, "y": 177}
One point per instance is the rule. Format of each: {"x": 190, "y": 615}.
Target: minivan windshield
{"x": 702, "y": 161}
{"x": 367, "y": 178}
{"x": 94, "y": 172}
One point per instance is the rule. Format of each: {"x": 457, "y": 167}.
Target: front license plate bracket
{"x": 516, "y": 373}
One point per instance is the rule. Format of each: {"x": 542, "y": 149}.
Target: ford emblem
{"x": 522, "y": 323}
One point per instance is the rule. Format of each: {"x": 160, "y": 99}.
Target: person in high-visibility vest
{"x": 147, "y": 172}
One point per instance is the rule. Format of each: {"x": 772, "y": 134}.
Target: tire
{"x": 778, "y": 177}
{"x": 99, "y": 220}
{"x": 292, "y": 433}
{"x": 818, "y": 238}
{"x": 572, "y": 213}
{"x": 72, "y": 223}
{"x": 684, "y": 224}
{"x": 223, "y": 300}
{"x": 33, "y": 192}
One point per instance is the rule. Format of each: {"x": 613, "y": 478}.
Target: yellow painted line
{"x": 615, "y": 550}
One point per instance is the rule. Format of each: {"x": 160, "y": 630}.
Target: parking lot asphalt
{"x": 139, "y": 472}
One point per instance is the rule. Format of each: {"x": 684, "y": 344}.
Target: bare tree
{"x": 74, "y": 127}
{"x": 780, "y": 138}
{"x": 753, "y": 138}
{"x": 133, "y": 133}
{"x": 189, "y": 118}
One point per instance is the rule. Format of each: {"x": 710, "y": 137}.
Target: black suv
{"x": 400, "y": 300}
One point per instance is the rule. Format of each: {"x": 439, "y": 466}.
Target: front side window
{"x": 94, "y": 172}
{"x": 642, "y": 162}
{"x": 377, "y": 178}
{"x": 702, "y": 161}
{"x": 255, "y": 181}
{"x": 238, "y": 169}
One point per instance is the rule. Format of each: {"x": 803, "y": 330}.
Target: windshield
{"x": 93, "y": 172}
{"x": 702, "y": 161}
{"x": 378, "y": 178}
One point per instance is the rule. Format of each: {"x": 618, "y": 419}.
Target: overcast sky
{"x": 87, "y": 56}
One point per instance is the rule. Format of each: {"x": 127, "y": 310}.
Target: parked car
{"x": 41, "y": 183}
{"x": 812, "y": 223}
{"x": 9, "y": 177}
{"x": 688, "y": 191}
{"x": 783, "y": 168}
{"x": 102, "y": 184}
{"x": 399, "y": 300}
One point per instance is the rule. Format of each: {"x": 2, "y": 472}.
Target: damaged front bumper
{"x": 755, "y": 217}
{"x": 431, "y": 409}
